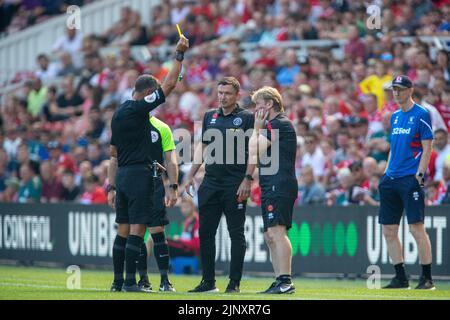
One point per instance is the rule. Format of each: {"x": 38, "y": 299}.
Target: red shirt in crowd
{"x": 52, "y": 191}
{"x": 189, "y": 239}
{"x": 65, "y": 162}
{"x": 98, "y": 196}
{"x": 204, "y": 10}
{"x": 255, "y": 194}
{"x": 445, "y": 113}
{"x": 432, "y": 164}
{"x": 355, "y": 49}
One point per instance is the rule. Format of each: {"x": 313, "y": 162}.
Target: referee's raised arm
{"x": 171, "y": 80}
{"x": 149, "y": 93}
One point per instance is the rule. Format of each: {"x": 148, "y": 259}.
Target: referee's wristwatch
{"x": 179, "y": 56}
{"x": 174, "y": 186}
{"x": 109, "y": 188}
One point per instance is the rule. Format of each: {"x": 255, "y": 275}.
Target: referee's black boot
{"x": 205, "y": 287}
{"x": 425, "y": 284}
{"x": 116, "y": 287}
{"x": 135, "y": 288}
{"x": 233, "y": 287}
{"x": 145, "y": 283}
{"x": 397, "y": 283}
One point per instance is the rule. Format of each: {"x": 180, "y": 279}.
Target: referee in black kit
{"x": 131, "y": 194}
{"x": 226, "y": 185}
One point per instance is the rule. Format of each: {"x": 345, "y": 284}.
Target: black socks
{"x": 119, "y": 258}
{"x": 426, "y": 271}
{"x": 285, "y": 278}
{"x": 132, "y": 251}
{"x": 142, "y": 262}
{"x": 161, "y": 252}
{"x": 400, "y": 271}
{"x": 401, "y": 274}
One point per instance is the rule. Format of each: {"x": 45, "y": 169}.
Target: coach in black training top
{"x": 131, "y": 153}
{"x": 226, "y": 185}
{"x": 275, "y": 133}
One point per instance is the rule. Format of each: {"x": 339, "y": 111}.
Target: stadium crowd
{"x": 54, "y": 130}
{"x": 16, "y": 15}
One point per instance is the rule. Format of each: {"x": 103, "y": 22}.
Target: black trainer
{"x": 166, "y": 286}
{"x": 116, "y": 287}
{"x": 425, "y": 284}
{"x": 397, "y": 283}
{"x": 135, "y": 288}
{"x": 233, "y": 287}
{"x": 280, "y": 287}
{"x": 271, "y": 287}
{"x": 205, "y": 286}
{"x": 144, "y": 283}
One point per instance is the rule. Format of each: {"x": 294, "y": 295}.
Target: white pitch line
{"x": 363, "y": 296}
{"x": 44, "y": 286}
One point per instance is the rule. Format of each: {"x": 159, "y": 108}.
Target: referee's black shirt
{"x": 283, "y": 182}
{"x": 130, "y": 128}
{"x": 231, "y": 174}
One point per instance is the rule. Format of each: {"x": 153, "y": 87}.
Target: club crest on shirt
{"x": 411, "y": 120}
{"x": 155, "y": 136}
{"x": 214, "y": 118}
{"x": 237, "y": 122}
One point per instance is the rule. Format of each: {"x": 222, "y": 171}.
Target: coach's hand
{"x": 112, "y": 199}
{"x": 260, "y": 118}
{"x": 190, "y": 185}
{"x": 244, "y": 190}
{"x": 183, "y": 44}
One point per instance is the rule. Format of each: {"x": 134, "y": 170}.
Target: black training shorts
{"x": 277, "y": 211}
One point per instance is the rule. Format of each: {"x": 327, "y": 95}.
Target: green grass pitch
{"x": 22, "y": 283}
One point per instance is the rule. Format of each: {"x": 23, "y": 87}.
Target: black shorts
{"x": 158, "y": 216}
{"x": 277, "y": 211}
{"x": 398, "y": 194}
{"x": 134, "y": 195}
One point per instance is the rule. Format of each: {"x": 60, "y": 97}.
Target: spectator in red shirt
{"x": 444, "y": 107}
{"x": 433, "y": 191}
{"x": 203, "y": 8}
{"x": 52, "y": 189}
{"x": 255, "y": 194}
{"x": 94, "y": 194}
{"x": 62, "y": 160}
{"x": 188, "y": 244}
{"x": 359, "y": 178}
{"x": 156, "y": 69}
{"x": 355, "y": 48}
{"x": 373, "y": 115}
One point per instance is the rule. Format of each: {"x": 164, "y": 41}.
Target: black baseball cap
{"x": 402, "y": 81}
